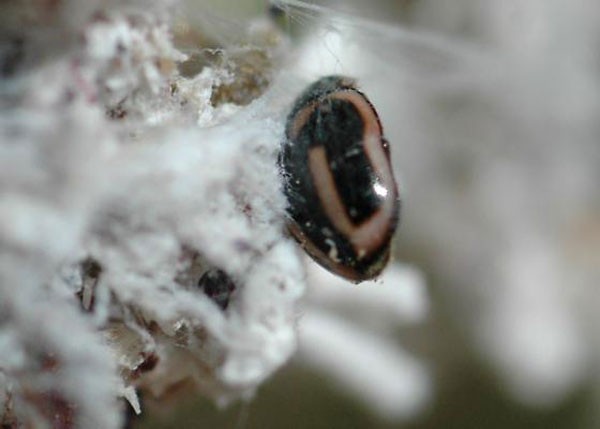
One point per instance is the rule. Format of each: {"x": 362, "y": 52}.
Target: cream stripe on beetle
{"x": 369, "y": 235}
{"x": 343, "y": 202}
{"x": 327, "y": 191}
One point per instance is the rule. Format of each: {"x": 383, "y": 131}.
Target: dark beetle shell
{"x": 343, "y": 203}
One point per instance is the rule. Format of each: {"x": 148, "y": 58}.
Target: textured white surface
{"x": 154, "y": 197}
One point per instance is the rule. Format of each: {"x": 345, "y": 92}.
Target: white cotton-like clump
{"x": 179, "y": 189}
{"x": 145, "y": 51}
{"x": 51, "y": 152}
{"x": 270, "y": 343}
{"x": 399, "y": 295}
{"x": 122, "y": 184}
{"x": 370, "y": 367}
{"x": 347, "y": 332}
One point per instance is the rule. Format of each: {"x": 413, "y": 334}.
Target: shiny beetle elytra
{"x": 343, "y": 203}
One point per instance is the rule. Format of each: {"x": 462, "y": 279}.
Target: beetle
{"x": 343, "y": 202}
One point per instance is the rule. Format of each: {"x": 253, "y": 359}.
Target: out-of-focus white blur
{"x": 492, "y": 112}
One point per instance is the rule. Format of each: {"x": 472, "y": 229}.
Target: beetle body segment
{"x": 343, "y": 204}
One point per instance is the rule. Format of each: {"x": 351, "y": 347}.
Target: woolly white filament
{"x": 112, "y": 192}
